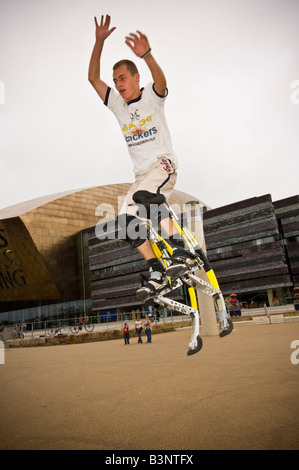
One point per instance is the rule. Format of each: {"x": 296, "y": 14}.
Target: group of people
{"x": 138, "y": 328}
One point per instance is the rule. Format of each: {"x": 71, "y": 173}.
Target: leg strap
{"x": 152, "y": 205}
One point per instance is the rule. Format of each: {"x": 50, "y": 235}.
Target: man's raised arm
{"x": 141, "y": 47}
{"x": 102, "y": 32}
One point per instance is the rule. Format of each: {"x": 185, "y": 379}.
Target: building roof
{"x": 25, "y": 207}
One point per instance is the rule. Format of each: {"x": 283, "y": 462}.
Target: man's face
{"x": 126, "y": 84}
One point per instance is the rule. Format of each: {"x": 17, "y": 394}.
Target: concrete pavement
{"x": 238, "y": 392}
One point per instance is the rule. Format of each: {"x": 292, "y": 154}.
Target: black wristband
{"x": 147, "y": 53}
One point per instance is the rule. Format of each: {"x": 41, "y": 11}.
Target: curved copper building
{"x": 42, "y": 254}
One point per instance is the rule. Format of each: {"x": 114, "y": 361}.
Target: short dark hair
{"x": 128, "y": 63}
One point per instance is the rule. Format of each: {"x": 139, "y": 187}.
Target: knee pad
{"x": 153, "y": 204}
{"x": 132, "y": 229}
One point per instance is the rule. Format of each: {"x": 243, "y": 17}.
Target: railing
{"x": 65, "y": 326}
{"x": 50, "y": 327}
{"x": 283, "y": 301}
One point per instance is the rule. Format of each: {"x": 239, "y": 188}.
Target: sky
{"x": 232, "y": 69}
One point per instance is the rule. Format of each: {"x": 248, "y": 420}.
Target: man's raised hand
{"x": 138, "y": 43}
{"x": 102, "y": 30}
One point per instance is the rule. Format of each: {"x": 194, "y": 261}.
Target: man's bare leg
{"x": 157, "y": 278}
{"x": 168, "y": 227}
{"x": 146, "y": 250}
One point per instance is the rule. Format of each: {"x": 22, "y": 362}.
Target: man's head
{"x": 126, "y": 79}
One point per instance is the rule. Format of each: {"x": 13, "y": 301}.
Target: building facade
{"x": 253, "y": 248}
{"x": 44, "y": 250}
{"x": 53, "y": 262}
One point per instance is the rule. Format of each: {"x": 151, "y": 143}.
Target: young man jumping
{"x": 140, "y": 113}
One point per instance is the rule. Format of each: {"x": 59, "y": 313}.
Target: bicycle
{"x": 88, "y": 326}
{"x": 17, "y": 332}
{"x": 60, "y": 329}
{"x": 163, "y": 252}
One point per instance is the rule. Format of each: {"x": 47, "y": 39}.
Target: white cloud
{"x": 229, "y": 64}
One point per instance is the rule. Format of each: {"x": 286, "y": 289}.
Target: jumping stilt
{"x": 165, "y": 254}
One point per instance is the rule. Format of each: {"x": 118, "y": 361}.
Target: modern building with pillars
{"x": 54, "y": 264}
{"x": 253, "y": 246}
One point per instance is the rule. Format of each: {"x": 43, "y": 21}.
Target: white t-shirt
{"x": 144, "y": 127}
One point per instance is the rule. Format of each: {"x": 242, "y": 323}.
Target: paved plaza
{"x": 238, "y": 392}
